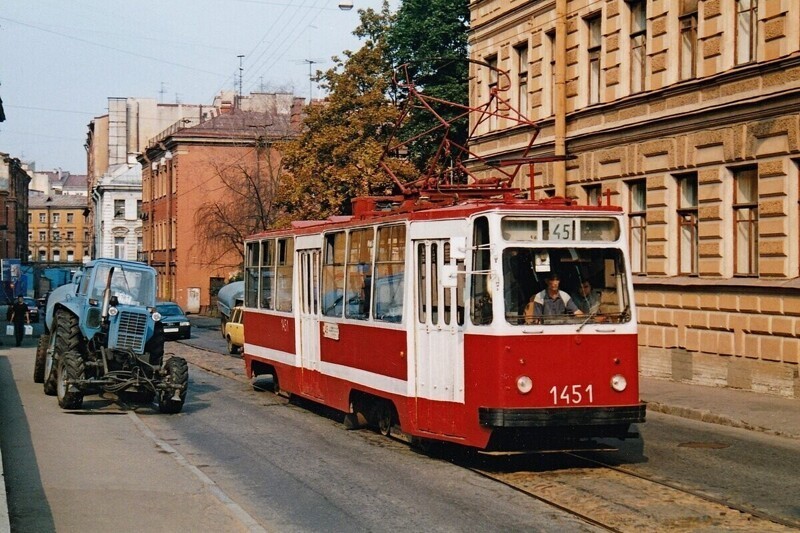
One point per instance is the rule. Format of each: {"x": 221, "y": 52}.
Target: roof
{"x": 40, "y": 201}
{"x": 247, "y": 124}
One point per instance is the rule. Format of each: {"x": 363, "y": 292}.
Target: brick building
{"x": 14, "y": 181}
{"x": 182, "y": 169}
{"x": 688, "y": 113}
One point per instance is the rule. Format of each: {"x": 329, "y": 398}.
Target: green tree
{"x": 430, "y": 37}
{"x": 336, "y": 158}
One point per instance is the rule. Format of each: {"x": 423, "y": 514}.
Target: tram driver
{"x": 550, "y": 302}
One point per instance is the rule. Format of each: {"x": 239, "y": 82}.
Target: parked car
{"x": 234, "y": 330}
{"x": 176, "y": 324}
{"x": 33, "y": 309}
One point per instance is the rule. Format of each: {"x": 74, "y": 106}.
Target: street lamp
{"x": 345, "y": 6}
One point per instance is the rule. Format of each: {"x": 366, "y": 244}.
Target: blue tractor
{"x": 103, "y": 333}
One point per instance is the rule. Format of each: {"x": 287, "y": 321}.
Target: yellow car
{"x": 234, "y": 330}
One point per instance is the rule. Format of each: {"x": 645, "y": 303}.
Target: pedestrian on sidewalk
{"x": 18, "y": 314}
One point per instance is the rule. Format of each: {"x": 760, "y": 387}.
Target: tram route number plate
{"x": 561, "y": 229}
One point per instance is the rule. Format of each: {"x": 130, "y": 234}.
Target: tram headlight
{"x": 619, "y": 383}
{"x": 112, "y": 311}
{"x": 524, "y": 384}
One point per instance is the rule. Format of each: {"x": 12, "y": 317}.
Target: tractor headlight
{"x": 113, "y": 311}
{"x": 186, "y": 323}
{"x": 524, "y": 384}
{"x": 156, "y": 316}
{"x": 619, "y": 383}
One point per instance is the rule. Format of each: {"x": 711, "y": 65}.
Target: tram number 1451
{"x": 571, "y": 394}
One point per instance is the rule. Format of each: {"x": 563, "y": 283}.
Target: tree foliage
{"x": 336, "y": 158}
{"x": 430, "y": 37}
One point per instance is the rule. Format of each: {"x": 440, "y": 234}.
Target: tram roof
{"x": 423, "y": 210}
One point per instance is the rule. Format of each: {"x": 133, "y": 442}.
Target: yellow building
{"x": 686, "y": 113}
{"x": 58, "y": 230}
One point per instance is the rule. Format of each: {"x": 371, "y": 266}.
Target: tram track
{"x": 620, "y": 500}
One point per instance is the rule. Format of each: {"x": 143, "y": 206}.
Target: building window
{"x": 638, "y": 11}
{"x": 56, "y": 254}
{"x": 688, "y": 47}
{"x": 30, "y": 218}
{"x": 637, "y": 215}
{"x": 521, "y": 55}
{"x": 746, "y": 33}
{"x": 70, "y": 256}
{"x": 70, "y": 235}
{"x": 30, "y": 236}
{"x": 70, "y": 218}
{"x": 688, "y": 240}
{"x": 56, "y": 235}
{"x": 491, "y": 82}
{"x": 139, "y": 209}
{"x": 550, "y": 74}
{"x": 85, "y": 235}
{"x": 593, "y": 50}
{"x": 43, "y": 218}
{"x": 56, "y": 218}
{"x": 745, "y": 220}
{"x": 42, "y": 255}
{"x": 119, "y": 247}
{"x": 593, "y": 194}
{"x": 42, "y": 236}
{"x": 119, "y": 208}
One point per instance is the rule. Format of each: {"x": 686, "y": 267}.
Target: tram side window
{"x": 267, "y": 273}
{"x": 283, "y": 274}
{"x": 481, "y": 296}
{"x": 251, "y": 274}
{"x": 389, "y": 274}
{"x": 333, "y": 274}
{"x": 359, "y": 273}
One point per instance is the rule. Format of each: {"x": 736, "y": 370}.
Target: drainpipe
{"x": 560, "y": 109}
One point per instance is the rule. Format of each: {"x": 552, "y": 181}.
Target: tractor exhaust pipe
{"x": 107, "y": 295}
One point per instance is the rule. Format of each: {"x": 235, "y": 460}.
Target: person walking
{"x": 19, "y": 317}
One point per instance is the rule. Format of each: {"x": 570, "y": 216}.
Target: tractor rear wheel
{"x": 70, "y": 367}
{"x": 177, "y": 374}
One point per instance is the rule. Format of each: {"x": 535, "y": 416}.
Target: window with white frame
{"x": 70, "y": 256}
{"x": 688, "y": 237}
{"x": 637, "y": 217}
{"x": 43, "y": 218}
{"x": 746, "y": 34}
{"x": 745, "y": 220}
{"x": 638, "y": 43}
{"x": 595, "y": 39}
{"x": 56, "y": 218}
{"x": 119, "y": 208}
{"x": 70, "y": 218}
{"x": 119, "y": 247}
{"x": 688, "y": 46}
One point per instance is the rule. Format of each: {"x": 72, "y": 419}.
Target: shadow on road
{"x": 28, "y": 508}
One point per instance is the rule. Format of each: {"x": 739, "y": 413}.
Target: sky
{"x": 60, "y": 60}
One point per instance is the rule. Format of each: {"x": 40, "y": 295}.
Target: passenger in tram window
{"x": 587, "y": 299}
{"x": 550, "y": 302}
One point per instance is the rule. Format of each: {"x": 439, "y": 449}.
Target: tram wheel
{"x": 385, "y": 418}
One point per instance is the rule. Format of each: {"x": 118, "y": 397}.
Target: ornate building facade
{"x": 686, "y": 114}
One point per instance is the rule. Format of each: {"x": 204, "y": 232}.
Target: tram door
{"x": 439, "y": 342}
{"x": 309, "y": 322}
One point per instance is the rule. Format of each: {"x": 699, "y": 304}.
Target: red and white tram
{"x": 414, "y": 320}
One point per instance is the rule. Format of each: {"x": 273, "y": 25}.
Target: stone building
{"x": 58, "y": 230}
{"x": 186, "y": 167}
{"x": 686, "y": 114}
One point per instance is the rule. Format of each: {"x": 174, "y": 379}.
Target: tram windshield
{"x": 565, "y": 286}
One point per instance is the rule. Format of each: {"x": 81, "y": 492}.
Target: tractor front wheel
{"x": 171, "y": 400}
{"x": 70, "y": 368}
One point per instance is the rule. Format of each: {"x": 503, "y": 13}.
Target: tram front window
{"x": 565, "y": 286}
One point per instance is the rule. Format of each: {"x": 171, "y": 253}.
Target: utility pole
{"x": 162, "y": 92}
{"x": 311, "y": 77}
{"x": 241, "y": 71}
